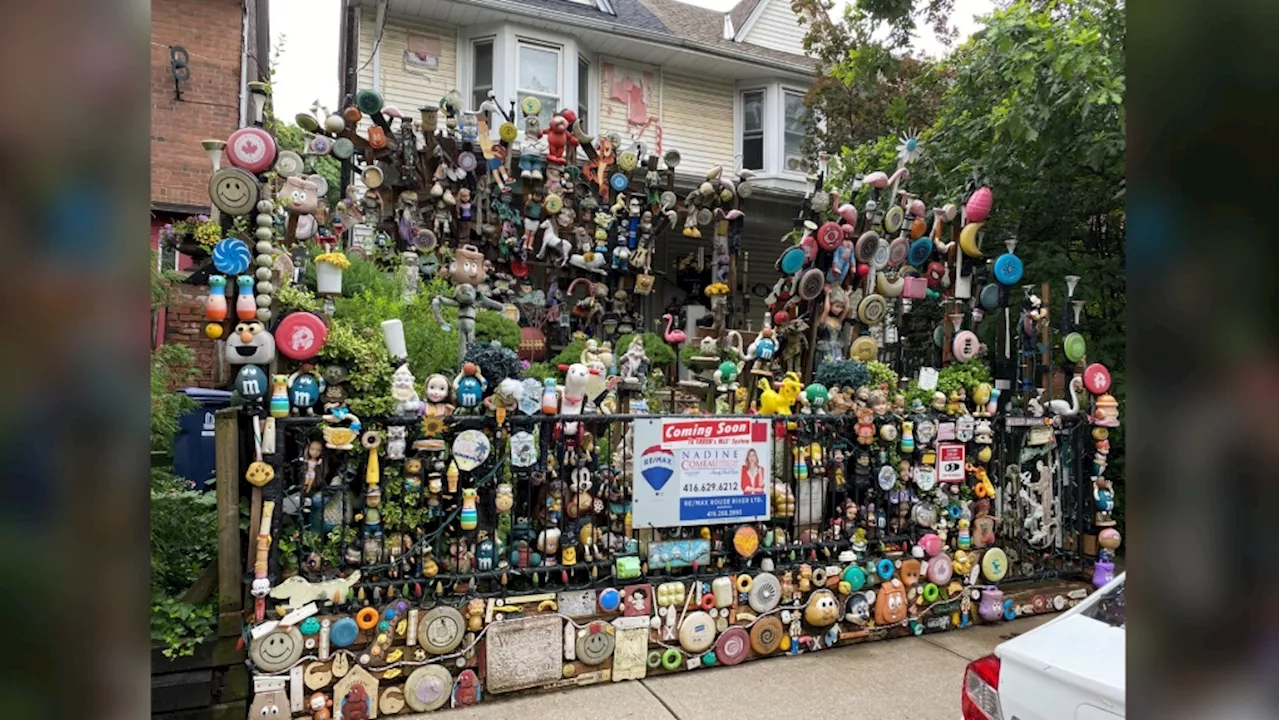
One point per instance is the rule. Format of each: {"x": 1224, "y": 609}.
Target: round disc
{"x": 618, "y": 182}
{"x": 428, "y": 688}
{"x": 704, "y": 216}
{"x": 766, "y": 592}
{"x": 865, "y": 249}
{"x": 989, "y": 296}
{"x": 343, "y": 149}
{"x": 594, "y": 644}
{"x": 766, "y": 635}
{"x": 872, "y": 309}
{"x": 231, "y": 256}
{"x": 440, "y": 631}
{"x": 531, "y": 105}
{"x": 1073, "y": 346}
{"x": 864, "y": 349}
{"x": 995, "y": 564}
{"x": 830, "y": 236}
{"x": 288, "y": 163}
{"x": 251, "y": 148}
{"x": 812, "y": 283}
{"x": 732, "y": 646}
{"x": 791, "y": 261}
{"x": 1097, "y": 379}
{"x": 369, "y": 101}
{"x": 466, "y": 161}
{"x": 344, "y": 632}
{"x": 965, "y": 345}
{"x": 278, "y": 650}
{"x": 881, "y": 257}
{"x": 920, "y": 251}
{"x": 627, "y": 160}
{"x": 746, "y": 540}
{"x": 319, "y": 145}
{"x": 300, "y": 335}
{"x": 1008, "y": 269}
{"x": 697, "y": 632}
{"x": 234, "y": 191}
{"x": 893, "y": 218}
{"x": 898, "y": 251}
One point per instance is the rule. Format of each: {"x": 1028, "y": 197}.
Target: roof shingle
{"x": 706, "y": 26}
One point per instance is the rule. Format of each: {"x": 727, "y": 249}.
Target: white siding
{"x": 406, "y": 89}
{"x": 777, "y": 28}
{"x": 697, "y": 120}
{"x": 613, "y": 113}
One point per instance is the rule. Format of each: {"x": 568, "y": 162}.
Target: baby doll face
{"x": 437, "y": 388}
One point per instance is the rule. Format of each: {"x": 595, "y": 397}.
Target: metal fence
{"x": 325, "y": 521}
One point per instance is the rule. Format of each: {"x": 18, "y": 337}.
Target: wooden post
{"x": 230, "y": 570}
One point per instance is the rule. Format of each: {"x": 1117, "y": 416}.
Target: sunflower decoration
{"x": 715, "y": 289}
{"x": 909, "y": 149}
{"x": 432, "y": 426}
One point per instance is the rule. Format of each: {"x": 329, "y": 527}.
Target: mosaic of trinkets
{"x": 497, "y": 533}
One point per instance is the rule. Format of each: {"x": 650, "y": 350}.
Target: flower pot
{"x": 328, "y": 279}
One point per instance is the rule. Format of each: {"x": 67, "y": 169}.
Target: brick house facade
{"x": 228, "y": 44}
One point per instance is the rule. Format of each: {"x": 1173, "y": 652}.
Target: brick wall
{"x": 212, "y": 32}
{"x": 184, "y": 323}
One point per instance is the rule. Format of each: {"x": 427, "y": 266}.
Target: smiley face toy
{"x": 251, "y": 344}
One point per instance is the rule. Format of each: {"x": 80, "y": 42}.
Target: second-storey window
{"x": 584, "y": 89}
{"x": 753, "y": 130}
{"x": 792, "y": 131}
{"x": 538, "y": 75}
{"x": 482, "y": 71}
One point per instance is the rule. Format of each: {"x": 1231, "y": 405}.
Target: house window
{"x": 538, "y": 75}
{"x": 753, "y": 130}
{"x": 584, "y": 89}
{"x": 482, "y": 71}
{"x": 793, "y": 127}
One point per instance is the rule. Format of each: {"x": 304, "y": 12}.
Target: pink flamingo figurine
{"x": 674, "y": 337}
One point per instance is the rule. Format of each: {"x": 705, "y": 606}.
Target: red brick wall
{"x": 184, "y": 323}
{"x": 212, "y": 32}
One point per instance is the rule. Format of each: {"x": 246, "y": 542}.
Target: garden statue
{"x": 633, "y": 364}
{"x": 403, "y": 392}
{"x": 467, "y": 270}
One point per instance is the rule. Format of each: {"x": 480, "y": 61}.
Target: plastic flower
{"x": 909, "y": 149}
{"x": 432, "y": 426}
{"x": 335, "y": 259}
{"x": 716, "y": 289}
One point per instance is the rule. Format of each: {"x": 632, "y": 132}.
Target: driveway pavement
{"x": 905, "y": 679}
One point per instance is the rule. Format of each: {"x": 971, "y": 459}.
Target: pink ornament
{"x": 931, "y": 544}
{"x": 848, "y": 213}
{"x": 863, "y": 269}
{"x": 979, "y": 206}
{"x": 877, "y": 180}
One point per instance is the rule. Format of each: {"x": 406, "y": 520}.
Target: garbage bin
{"x": 193, "y": 453}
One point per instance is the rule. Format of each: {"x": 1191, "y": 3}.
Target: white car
{"x": 1070, "y": 668}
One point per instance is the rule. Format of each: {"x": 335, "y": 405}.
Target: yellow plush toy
{"x": 779, "y": 402}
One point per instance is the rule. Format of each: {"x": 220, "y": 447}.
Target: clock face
{"x": 441, "y": 630}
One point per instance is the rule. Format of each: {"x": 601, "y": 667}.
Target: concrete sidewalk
{"x": 905, "y": 679}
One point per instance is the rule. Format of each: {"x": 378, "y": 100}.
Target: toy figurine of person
{"x": 311, "y": 460}
{"x": 832, "y": 339}
{"x": 468, "y": 272}
{"x": 466, "y": 214}
{"x": 437, "y": 391}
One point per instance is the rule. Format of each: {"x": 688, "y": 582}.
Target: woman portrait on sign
{"x": 752, "y": 475}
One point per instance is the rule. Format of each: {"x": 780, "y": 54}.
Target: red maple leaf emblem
{"x": 249, "y": 147}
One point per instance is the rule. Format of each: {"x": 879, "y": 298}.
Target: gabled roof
{"x": 706, "y": 27}
{"x": 626, "y": 12}
{"x": 739, "y": 13}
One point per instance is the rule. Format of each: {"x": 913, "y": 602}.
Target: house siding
{"x": 614, "y": 113}
{"x": 406, "y": 89}
{"x": 777, "y": 28}
{"x": 697, "y": 120}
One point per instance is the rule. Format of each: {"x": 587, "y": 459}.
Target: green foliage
{"x": 882, "y": 374}
{"x": 571, "y": 353}
{"x": 492, "y": 325}
{"x": 966, "y": 374}
{"x": 541, "y": 371}
{"x": 291, "y": 137}
{"x": 362, "y": 351}
{"x": 842, "y": 373}
{"x": 184, "y": 531}
{"x": 292, "y": 298}
{"x": 172, "y": 365}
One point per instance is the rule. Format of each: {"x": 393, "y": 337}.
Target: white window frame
{"x": 506, "y": 48}
{"x": 774, "y": 125}
{"x": 492, "y": 41}
{"x": 740, "y": 126}
{"x": 533, "y": 44}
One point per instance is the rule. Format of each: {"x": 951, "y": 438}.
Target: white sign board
{"x": 700, "y": 471}
{"x": 950, "y": 462}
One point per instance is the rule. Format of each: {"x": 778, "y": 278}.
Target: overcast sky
{"x": 308, "y": 68}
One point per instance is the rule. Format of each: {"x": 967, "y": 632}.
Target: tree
{"x": 869, "y": 87}
{"x": 1033, "y": 107}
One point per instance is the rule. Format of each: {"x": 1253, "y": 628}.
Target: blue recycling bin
{"x": 193, "y": 453}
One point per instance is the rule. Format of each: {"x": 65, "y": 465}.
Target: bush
{"x": 842, "y": 373}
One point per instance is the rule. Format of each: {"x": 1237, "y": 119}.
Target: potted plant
{"x": 194, "y": 236}
{"x": 329, "y": 267}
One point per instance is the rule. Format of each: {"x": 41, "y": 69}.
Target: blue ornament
{"x": 470, "y": 392}
{"x": 1008, "y": 269}
{"x": 304, "y": 391}
{"x": 251, "y": 382}
{"x": 231, "y": 256}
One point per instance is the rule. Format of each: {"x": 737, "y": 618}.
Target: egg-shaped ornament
{"x": 978, "y": 209}
{"x": 251, "y": 382}
{"x": 304, "y": 391}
